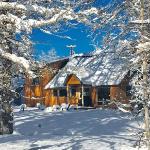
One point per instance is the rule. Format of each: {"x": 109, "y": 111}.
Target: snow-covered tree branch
{"x": 18, "y": 60}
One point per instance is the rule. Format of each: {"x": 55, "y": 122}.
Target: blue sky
{"x": 45, "y": 42}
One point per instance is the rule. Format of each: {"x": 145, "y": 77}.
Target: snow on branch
{"x": 18, "y": 60}
{"x": 69, "y": 14}
{"x": 7, "y": 5}
{"x": 26, "y": 8}
{"x": 38, "y": 9}
{"x": 144, "y": 46}
{"x": 60, "y": 14}
{"x": 147, "y": 21}
{"x": 65, "y": 15}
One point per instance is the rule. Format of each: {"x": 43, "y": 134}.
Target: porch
{"x": 79, "y": 95}
{"x": 75, "y": 92}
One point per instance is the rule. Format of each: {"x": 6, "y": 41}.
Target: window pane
{"x": 73, "y": 91}
{"x": 55, "y": 93}
{"x": 36, "y": 81}
{"x": 103, "y": 94}
{"x": 86, "y": 92}
{"x": 63, "y": 92}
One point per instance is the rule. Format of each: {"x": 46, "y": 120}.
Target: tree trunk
{"x": 145, "y": 86}
{"x": 146, "y": 109}
{"x": 6, "y": 115}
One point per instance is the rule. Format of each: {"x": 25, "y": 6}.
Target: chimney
{"x": 72, "y": 52}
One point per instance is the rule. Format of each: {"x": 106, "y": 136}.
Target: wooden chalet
{"x": 91, "y": 80}
{"x": 34, "y": 91}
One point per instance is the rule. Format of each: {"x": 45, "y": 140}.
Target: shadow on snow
{"x": 76, "y": 127}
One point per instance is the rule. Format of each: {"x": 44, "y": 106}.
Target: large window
{"x": 103, "y": 95}
{"x": 86, "y": 91}
{"x": 63, "y": 92}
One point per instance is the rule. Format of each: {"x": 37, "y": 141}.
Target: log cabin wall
{"x": 47, "y": 75}
{"x": 119, "y": 92}
{"x": 35, "y": 93}
{"x": 73, "y": 80}
{"x": 28, "y": 92}
{"x": 56, "y": 96}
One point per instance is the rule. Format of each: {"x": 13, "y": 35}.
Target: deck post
{"x": 51, "y": 97}
{"x": 82, "y": 95}
{"x": 58, "y": 103}
{"x": 67, "y": 94}
{"x": 96, "y": 96}
{"x": 30, "y": 101}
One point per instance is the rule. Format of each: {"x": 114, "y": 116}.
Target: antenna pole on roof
{"x": 72, "y": 52}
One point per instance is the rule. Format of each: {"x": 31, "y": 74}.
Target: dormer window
{"x": 36, "y": 81}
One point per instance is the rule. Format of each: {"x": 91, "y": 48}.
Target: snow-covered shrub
{"x": 64, "y": 107}
{"x": 73, "y": 107}
{"x": 48, "y": 109}
{"x": 56, "y": 107}
{"x": 40, "y": 106}
{"x": 22, "y": 107}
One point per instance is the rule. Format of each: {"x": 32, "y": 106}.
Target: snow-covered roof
{"x": 58, "y": 59}
{"x": 95, "y": 70}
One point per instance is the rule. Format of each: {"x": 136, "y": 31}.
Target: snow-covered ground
{"x": 96, "y": 129}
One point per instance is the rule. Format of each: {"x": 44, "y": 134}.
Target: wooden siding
{"x": 73, "y": 80}
{"x": 48, "y": 95}
{"x": 36, "y": 93}
{"x": 94, "y": 96}
{"x": 73, "y": 100}
{"x": 54, "y": 100}
{"x": 118, "y": 93}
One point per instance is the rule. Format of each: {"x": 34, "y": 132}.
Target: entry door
{"x": 87, "y": 97}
